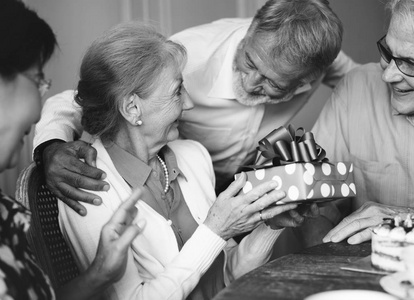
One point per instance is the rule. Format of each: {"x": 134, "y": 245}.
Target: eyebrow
{"x": 254, "y": 65}
{"x": 406, "y": 59}
{"x": 250, "y": 60}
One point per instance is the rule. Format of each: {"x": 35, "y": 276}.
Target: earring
{"x": 138, "y": 122}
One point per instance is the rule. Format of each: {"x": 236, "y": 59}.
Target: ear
{"x": 130, "y": 109}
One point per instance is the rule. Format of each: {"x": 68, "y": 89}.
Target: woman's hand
{"x": 116, "y": 237}
{"x": 232, "y": 215}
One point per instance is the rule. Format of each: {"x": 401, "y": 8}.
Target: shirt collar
{"x": 223, "y": 84}
{"x": 171, "y": 162}
{"x": 134, "y": 171}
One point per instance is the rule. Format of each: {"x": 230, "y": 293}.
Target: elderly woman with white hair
{"x": 131, "y": 97}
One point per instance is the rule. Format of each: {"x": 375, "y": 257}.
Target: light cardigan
{"x": 155, "y": 268}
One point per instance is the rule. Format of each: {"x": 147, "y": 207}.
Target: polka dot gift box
{"x": 306, "y": 181}
{"x": 293, "y": 159}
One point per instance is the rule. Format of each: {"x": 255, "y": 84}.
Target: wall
{"x": 364, "y": 24}
{"x": 77, "y": 22}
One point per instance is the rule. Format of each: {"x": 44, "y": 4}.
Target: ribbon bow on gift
{"x": 289, "y": 146}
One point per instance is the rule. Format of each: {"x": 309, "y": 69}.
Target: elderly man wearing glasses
{"x": 369, "y": 121}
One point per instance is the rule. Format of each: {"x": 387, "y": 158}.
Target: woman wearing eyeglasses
{"x": 369, "y": 121}
{"x": 26, "y": 45}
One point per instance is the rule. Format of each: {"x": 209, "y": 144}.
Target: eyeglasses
{"x": 405, "y": 66}
{"x": 43, "y": 85}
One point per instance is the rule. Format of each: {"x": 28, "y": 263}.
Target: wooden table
{"x": 296, "y": 276}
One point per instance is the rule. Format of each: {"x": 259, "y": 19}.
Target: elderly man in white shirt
{"x": 228, "y": 127}
{"x": 245, "y": 77}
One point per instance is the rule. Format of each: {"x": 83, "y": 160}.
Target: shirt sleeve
{"x": 337, "y": 70}
{"x": 60, "y": 119}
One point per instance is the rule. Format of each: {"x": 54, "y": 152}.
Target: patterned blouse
{"x": 20, "y": 277}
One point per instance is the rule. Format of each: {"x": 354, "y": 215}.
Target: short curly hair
{"x": 128, "y": 59}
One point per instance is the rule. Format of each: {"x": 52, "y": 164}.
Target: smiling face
{"x": 20, "y": 106}
{"x": 400, "y": 42}
{"x": 260, "y": 79}
{"x": 162, "y": 110}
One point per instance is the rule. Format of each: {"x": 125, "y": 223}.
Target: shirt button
{"x": 169, "y": 222}
{"x": 163, "y": 197}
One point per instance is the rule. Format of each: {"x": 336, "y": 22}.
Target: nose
{"x": 392, "y": 73}
{"x": 253, "y": 82}
{"x": 187, "y": 102}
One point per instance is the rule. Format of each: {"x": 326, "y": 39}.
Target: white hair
{"x": 403, "y": 10}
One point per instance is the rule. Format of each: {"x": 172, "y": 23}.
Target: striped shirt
{"x": 358, "y": 124}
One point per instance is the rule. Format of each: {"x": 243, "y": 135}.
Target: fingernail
{"x": 334, "y": 239}
{"x": 82, "y": 212}
{"x": 352, "y": 240}
{"x": 97, "y": 201}
{"x": 106, "y": 187}
{"x": 274, "y": 184}
{"x": 281, "y": 194}
{"x": 103, "y": 176}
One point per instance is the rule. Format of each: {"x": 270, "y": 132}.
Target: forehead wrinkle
{"x": 399, "y": 41}
{"x": 256, "y": 55}
{"x": 277, "y": 61}
{"x": 262, "y": 52}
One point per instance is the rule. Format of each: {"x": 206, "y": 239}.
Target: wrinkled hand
{"x": 232, "y": 215}
{"x": 357, "y": 226}
{"x": 294, "y": 217}
{"x": 116, "y": 237}
{"x": 65, "y": 173}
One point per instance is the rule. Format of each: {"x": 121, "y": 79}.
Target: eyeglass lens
{"x": 44, "y": 86}
{"x": 405, "y": 67}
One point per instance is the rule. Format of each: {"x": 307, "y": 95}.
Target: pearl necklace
{"x": 167, "y": 180}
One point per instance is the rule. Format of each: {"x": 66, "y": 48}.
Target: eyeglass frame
{"x": 42, "y": 84}
{"x": 384, "y": 52}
